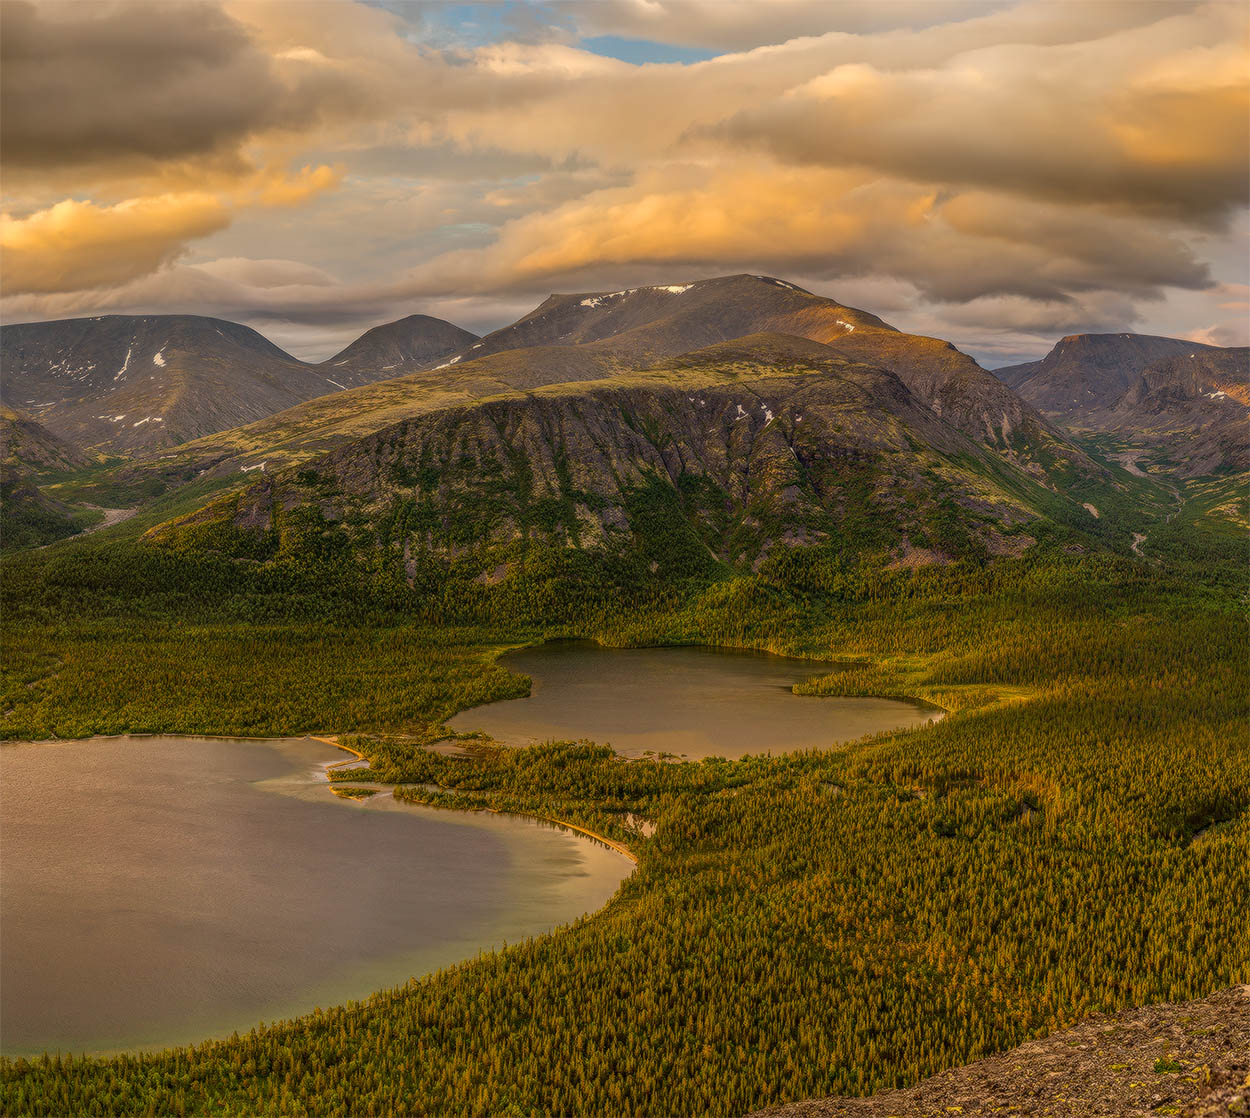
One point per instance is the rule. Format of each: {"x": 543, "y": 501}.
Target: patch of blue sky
{"x": 639, "y": 52}
{"x": 445, "y": 24}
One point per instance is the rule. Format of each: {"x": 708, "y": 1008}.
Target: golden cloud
{"x": 1152, "y": 118}
{"x": 76, "y": 245}
{"x": 819, "y": 221}
{"x": 73, "y": 246}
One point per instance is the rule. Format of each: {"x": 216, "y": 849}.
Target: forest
{"x": 1072, "y": 838}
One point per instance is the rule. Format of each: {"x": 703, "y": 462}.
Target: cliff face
{"x": 1086, "y": 372}
{"x": 742, "y": 459}
{"x": 1195, "y": 408}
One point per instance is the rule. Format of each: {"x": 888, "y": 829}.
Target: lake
{"x": 690, "y": 701}
{"x": 158, "y": 891}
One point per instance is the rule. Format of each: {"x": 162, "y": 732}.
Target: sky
{"x": 996, "y": 173}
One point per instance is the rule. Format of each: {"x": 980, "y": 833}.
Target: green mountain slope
{"x": 28, "y": 517}
{"x": 730, "y": 454}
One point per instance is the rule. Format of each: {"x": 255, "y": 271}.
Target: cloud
{"x": 992, "y": 169}
{"x": 274, "y": 188}
{"x": 830, "y": 223}
{"x": 744, "y": 24}
{"x": 77, "y": 245}
{"x": 1151, "y": 118}
{"x": 83, "y": 84}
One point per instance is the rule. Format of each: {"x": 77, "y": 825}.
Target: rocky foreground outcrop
{"x": 1191, "y": 1059}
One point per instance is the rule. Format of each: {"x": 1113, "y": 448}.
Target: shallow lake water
{"x": 689, "y": 701}
{"x": 158, "y": 891}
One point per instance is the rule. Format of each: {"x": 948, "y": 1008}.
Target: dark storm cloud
{"x": 149, "y": 81}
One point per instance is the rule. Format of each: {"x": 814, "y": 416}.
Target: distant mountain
{"x": 1089, "y": 372}
{"x": 1189, "y": 402}
{"x": 639, "y": 326}
{"x": 572, "y": 338}
{"x": 1194, "y": 409}
{"x": 134, "y": 384}
{"x": 735, "y": 453}
{"x": 395, "y": 348}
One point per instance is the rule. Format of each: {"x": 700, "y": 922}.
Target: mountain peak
{"x": 1184, "y": 398}
{"x": 406, "y": 345}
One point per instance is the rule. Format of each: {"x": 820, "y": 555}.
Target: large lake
{"x": 156, "y": 891}
{"x": 689, "y": 701}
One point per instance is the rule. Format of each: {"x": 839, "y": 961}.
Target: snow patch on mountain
{"x": 125, "y": 364}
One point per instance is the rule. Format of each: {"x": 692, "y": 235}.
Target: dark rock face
{"x": 1191, "y": 1059}
{"x": 1195, "y": 408}
{"x": 749, "y": 459}
{"x": 1188, "y": 401}
{"x": 1089, "y": 372}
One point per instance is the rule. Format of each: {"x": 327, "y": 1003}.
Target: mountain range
{"x": 1188, "y": 403}
{"x": 126, "y": 385}
{"x": 733, "y": 453}
{"x": 755, "y": 415}
{"x": 582, "y": 337}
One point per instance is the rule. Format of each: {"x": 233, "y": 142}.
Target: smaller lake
{"x": 690, "y": 701}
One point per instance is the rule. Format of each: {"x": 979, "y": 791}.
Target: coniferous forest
{"x": 806, "y": 368}
{"x": 1072, "y": 838}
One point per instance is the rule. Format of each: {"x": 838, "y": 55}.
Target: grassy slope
{"x": 823, "y": 923}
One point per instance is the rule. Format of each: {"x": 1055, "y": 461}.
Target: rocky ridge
{"x": 744, "y": 448}
{"x": 1191, "y": 1060}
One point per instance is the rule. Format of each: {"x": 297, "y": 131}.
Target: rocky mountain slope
{"x": 1191, "y": 1060}
{"x": 572, "y": 338}
{"x": 1089, "y": 372}
{"x": 640, "y": 326}
{"x": 29, "y": 517}
{"x": 130, "y": 385}
{"x": 395, "y": 348}
{"x": 1194, "y": 409}
{"x": 29, "y": 446}
{"x": 1188, "y": 402}
{"x": 731, "y": 453}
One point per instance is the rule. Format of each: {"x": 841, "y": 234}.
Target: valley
{"x": 736, "y": 464}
